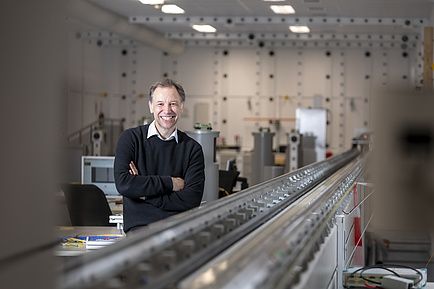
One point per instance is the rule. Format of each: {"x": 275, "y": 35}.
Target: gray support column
{"x": 262, "y": 155}
{"x": 207, "y": 140}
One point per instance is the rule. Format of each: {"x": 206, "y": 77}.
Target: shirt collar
{"x": 152, "y": 130}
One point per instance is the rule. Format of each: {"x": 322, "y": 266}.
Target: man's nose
{"x": 167, "y": 108}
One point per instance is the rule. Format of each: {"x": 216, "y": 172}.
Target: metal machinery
{"x": 267, "y": 236}
{"x": 97, "y": 140}
{"x": 312, "y": 123}
{"x": 207, "y": 139}
{"x": 301, "y": 151}
{"x": 262, "y": 155}
{"x": 292, "y": 152}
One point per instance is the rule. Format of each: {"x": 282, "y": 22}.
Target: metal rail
{"x": 112, "y": 129}
{"x": 166, "y": 252}
{"x": 274, "y": 256}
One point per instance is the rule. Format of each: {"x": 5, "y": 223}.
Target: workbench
{"x": 71, "y": 250}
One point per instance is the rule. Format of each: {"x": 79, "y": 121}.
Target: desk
{"x": 65, "y": 232}
{"x": 116, "y": 208}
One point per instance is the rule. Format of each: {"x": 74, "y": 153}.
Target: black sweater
{"x": 157, "y": 161}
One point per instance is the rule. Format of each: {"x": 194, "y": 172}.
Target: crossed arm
{"x": 179, "y": 192}
{"x": 180, "y": 200}
{"x": 178, "y": 183}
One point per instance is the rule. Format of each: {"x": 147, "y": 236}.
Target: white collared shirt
{"x": 152, "y": 130}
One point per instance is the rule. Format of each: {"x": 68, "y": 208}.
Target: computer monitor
{"x": 231, "y": 165}
{"x": 98, "y": 170}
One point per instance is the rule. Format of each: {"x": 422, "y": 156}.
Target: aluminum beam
{"x": 165, "y": 253}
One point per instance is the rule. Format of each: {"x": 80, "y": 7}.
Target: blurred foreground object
{"x": 404, "y": 154}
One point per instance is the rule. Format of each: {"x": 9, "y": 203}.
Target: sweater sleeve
{"x": 135, "y": 186}
{"x": 191, "y": 196}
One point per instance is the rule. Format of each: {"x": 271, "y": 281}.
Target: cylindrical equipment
{"x": 262, "y": 155}
{"x": 207, "y": 139}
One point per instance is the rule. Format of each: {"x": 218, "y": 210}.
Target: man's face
{"x": 166, "y": 107}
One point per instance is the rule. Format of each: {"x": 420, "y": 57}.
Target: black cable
{"x": 384, "y": 267}
{"x": 351, "y": 275}
{"x": 405, "y": 267}
{"x": 376, "y": 282}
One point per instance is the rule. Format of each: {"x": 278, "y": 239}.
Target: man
{"x": 158, "y": 169}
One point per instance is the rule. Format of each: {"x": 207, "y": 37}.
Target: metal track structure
{"x": 167, "y": 252}
{"x": 276, "y": 254}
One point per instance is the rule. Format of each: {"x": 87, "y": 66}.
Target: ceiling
{"x": 327, "y": 8}
{"x": 253, "y": 19}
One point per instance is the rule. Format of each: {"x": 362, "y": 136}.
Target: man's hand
{"x": 178, "y": 184}
{"x": 133, "y": 170}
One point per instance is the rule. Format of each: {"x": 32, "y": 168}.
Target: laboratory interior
{"x": 315, "y": 118}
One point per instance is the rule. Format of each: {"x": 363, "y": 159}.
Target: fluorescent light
{"x": 172, "y": 9}
{"x": 299, "y": 29}
{"x": 152, "y": 2}
{"x": 273, "y": 0}
{"x": 282, "y": 9}
{"x": 204, "y": 28}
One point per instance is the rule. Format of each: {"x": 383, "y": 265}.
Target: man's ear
{"x": 150, "y": 106}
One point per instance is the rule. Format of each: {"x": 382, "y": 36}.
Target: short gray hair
{"x": 167, "y": 82}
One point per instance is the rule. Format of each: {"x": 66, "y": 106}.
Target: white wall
{"x": 237, "y": 82}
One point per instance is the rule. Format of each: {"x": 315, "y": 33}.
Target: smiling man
{"x": 159, "y": 170}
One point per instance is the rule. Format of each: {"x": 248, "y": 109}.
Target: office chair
{"x": 227, "y": 181}
{"x": 87, "y": 205}
{"x": 232, "y": 166}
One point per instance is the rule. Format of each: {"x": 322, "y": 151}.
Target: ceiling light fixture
{"x": 172, "y": 9}
{"x": 204, "y": 28}
{"x": 282, "y": 9}
{"x": 299, "y": 29}
{"x": 152, "y": 2}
